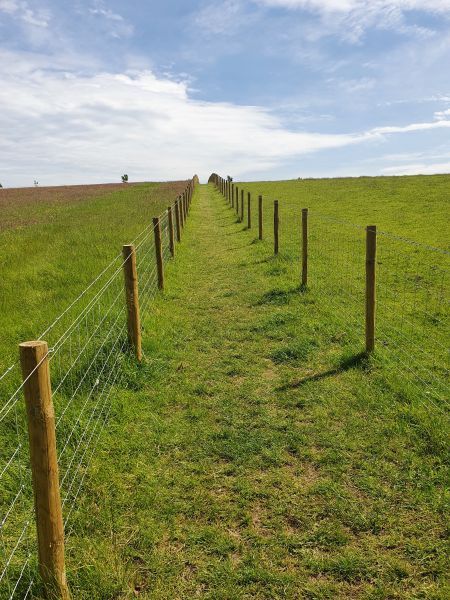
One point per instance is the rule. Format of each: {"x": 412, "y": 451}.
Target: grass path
{"x": 249, "y": 467}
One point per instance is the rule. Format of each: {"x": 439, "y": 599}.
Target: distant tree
{"x": 125, "y": 178}
{"x": 36, "y": 183}
{"x": 1, "y": 185}
{"x": 229, "y": 179}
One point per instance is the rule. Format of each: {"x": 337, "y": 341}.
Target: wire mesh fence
{"x": 412, "y": 307}
{"x": 88, "y": 353}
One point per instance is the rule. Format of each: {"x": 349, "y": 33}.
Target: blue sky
{"x": 264, "y": 89}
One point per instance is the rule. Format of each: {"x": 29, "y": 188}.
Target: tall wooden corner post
{"x": 132, "y": 300}
{"x": 371, "y": 255}
{"x": 44, "y": 468}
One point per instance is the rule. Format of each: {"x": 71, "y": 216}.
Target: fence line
{"x": 399, "y": 321}
{"x": 86, "y": 363}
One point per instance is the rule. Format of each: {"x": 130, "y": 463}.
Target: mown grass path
{"x": 240, "y": 463}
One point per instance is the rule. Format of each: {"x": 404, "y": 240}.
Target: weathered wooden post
{"x": 158, "y": 252}
{"x": 44, "y": 468}
{"x": 184, "y": 207}
{"x": 237, "y": 200}
{"x": 371, "y": 254}
{"x": 171, "y": 232}
{"x": 304, "y": 247}
{"x": 260, "y": 217}
{"x": 232, "y": 195}
{"x": 181, "y": 211}
{"x": 132, "y": 299}
{"x": 249, "y": 211}
{"x": 177, "y": 220}
{"x": 276, "y": 223}
{"x": 241, "y": 217}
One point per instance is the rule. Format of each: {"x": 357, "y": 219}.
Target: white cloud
{"x": 350, "y": 19}
{"x": 21, "y": 10}
{"x": 417, "y": 169}
{"x": 66, "y": 127}
{"x": 349, "y": 5}
{"x": 116, "y": 25}
{"x": 409, "y": 128}
{"x": 224, "y": 18}
{"x": 442, "y": 114}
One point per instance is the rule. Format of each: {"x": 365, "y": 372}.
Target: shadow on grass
{"x": 360, "y": 361}
{"x": 279, "y": 297}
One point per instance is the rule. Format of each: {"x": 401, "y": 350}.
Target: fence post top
{"x": 33, "y": 344}
{"x": 155, "y": 220}
{"x": 371, "y": 227}
{"x": 128, "y": 247}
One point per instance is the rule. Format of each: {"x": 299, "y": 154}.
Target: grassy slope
{"x": 415, "y": 207}
{"x": 244, "y": 461}
{"x": 53, "y": 249}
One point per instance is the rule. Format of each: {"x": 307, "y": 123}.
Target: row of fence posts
{"x": 41, "y": 415}
{"x": 235, "y": 198}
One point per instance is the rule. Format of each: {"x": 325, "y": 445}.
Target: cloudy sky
{"x": 90, "y": 89}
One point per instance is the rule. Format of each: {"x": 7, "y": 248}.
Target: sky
{"x": 258, "y": 89}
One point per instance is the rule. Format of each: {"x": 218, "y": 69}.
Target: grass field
{"x": 255, "y": 453}
{"x": 54, "y": 241}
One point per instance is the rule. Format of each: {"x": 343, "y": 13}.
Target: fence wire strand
{"x": 412, "y": 315}
{"x": 88, "y": 348}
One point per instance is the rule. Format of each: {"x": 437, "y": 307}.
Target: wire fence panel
{"x": 411, "y": 357}
{"x": 88, "y": 350}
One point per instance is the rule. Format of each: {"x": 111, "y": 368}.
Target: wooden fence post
{"x": 44, "y": 468}
{"x": 177, "y": 220}
{"x": 232, "y": 195}
{"x": 241, "y": 218}
{"x": 304, "y": 247}
{"x": 276, "y": 223}
{"x": 171, "y": 231}
{"x": 158, "y": 252}
{"x": 237, "y": 201}
{"x": 371, "y": 253}
{"x": 132, "y": 299}
{"x": 249, "y": 211}
{"x": 181, "y": 211}
{"x": 260, "y": 217}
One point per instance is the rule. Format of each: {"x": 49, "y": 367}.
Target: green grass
{"x": 52, "y": 249}
{"x": 415, "y": 207}
{"x": 256, "y": 453}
